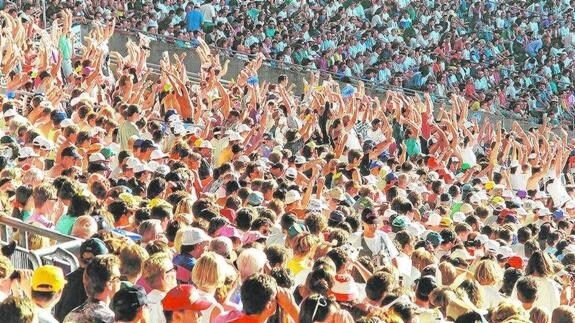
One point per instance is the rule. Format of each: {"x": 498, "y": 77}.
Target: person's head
{"x": 102, "y": 277}
{"x": 129, "y": 304}
{"x": 159, "y": 272}
{"x": 506, "y": 310}
{"x": 317, "y": 308}
{"x": 539, "y": 315}
{"x": 488, "y": 273}
{"x": 150, "y": 230}
{"x": 183, "y": 303}
{"x": 258, "y": 294}
{"x": 250, "y": 261}
{"x": 304, "y": 245}
{"x": 277, "y": 255}
{"x": 44, "y": 197}
{"x": 16, "y": 309}
{"x": 539, "y": 265}
{"x": 526, "y": 290}
{"x": 47, "y": 284}
{"x": 563, "y": 313}
{"x": 6, "y": 270}
{"x": 424, "y": 286}
{"x": 132, "y": 258}
{"x": 84, "y": 227}
{"x": 208, "y": 272}
{"x": 378, "y": 285}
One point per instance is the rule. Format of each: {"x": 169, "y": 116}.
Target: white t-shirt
{"x": 548, "y": 294}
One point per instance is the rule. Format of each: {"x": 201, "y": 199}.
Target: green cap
{"x": 107, "y": 152}
{"x": 465, "y": 166}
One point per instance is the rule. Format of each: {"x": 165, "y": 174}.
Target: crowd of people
{"x": 245, "y": 202}
{"x": 501, "y": 56}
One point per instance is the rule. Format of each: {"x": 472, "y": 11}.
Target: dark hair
{"x": 320, "y": 281}
{"x": 276, "y": 254}
{"x": 311, "y": 309}
{"x": 16, "y": 309}
{"x": 527, "y": 289}
{"x": 98, "y": 273}
{"x": 339, "y": 257}
{"x": 256, "y": 293}
{"x": 161, "y": 212}
{"x": 156, "y": 187}
{"x": 80, "y": 205}
{"x": 244, "y": 218}
{"x": 378, "y": 285}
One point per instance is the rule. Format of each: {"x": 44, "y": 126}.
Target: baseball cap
{"x": 433, "y": 219}
{"x": 184, "y": 297}
{"x": 515, "y": 262}
{"x": 292, "y": 196}
{"x": 96, "y": 157}
{"x": 157, "y": 154}
{"x": 300, "y": 160}
{"x": 48, "y": 278}
{"x": 336, "y": 216}
{"x": 193, "y": 236}
{"x": 206, "y": 144}
{"x": 58, "y": 116}
{"x": 445, "y": 222}
{"x": 369, "y": 217}
{"x": 228, "y": 231}
{"x": 316, "y": 205}
{"x": 434, "y": 238}
{"x": 129, "y": 299}
{"x": 27, "y": 152}
{"x": 70, "y": 151}
{"x": 94, "y": 246}
{"x": 400, "y": 222}
{"x": 107, "y": 152}
{"x": 43, "y": 143}
{"x": 390, "y": 177}
{"x": 375, "y": 164}
{"x": 255, "y": 198}
{"x": 558, "y": 215}
{"x": 291, "y": 174}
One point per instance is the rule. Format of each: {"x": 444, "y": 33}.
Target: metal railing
{"x": 61, "y": 251}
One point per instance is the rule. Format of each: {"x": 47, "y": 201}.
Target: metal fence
{"x": 61, "y": 252}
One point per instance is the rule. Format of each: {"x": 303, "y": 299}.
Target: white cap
{"x": 157, "y": 154}
{"x": 458, "y": 217}
{"x": 96, "y": 157}
{"x": 433, "y": 219}
{"x": 514, "y": 163}
{"x": 10, "y": 113}
{"x": 243, "y": 128}
{"x": 131, "y": 162}
{"x": 174, "y": 118}
{"x": 234, "y": 136}
{"x": 142, "y": 167}
{"x": 180, "y": 130}
{"x": 26, "y": 152}
{"x": 570, "y": 204}
{"x": 544, "y": 211}
{"x": 300, "y": 160}
{"x": 316, "y": 205}
{"x": 43, "y": 143}
{"x": 415, "y": 229}
{"x": 66, "y": 123}
{"x": 93, "y": 131}
{"x": 46, "y": 104}
{"x": 291, "y": 173}
{"x": 462, "y": 253}
{"x": 292, "y": 196}
{"x": 492, "y": 246}
{"x": 505, "y": 251}
{"x": 193, "y": 236}
{"x": 206, "y": 144}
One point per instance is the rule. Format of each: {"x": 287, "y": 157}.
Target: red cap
{"x": 515, "y": 262}
{"x": 228, "y": 214}
{"x": 432, "y": 163}
{"x": 505, "y": 212}
{"x": 184, "y": 297}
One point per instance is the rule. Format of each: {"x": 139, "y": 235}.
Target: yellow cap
{"x": 48, "y": 278}
{"x": 489, "y": 185}
{"x": 497, "y": 200}
{"x": 445, "y": 222}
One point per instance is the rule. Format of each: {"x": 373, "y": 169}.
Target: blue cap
{"x": 138, "y": 143}
{"x": 558, "y": 214}
{"x": 255, "y": 198}
{"x": 384, "y": 156}
{"x": 59, "y": 116}
{"x": 390, "y": 177}
{"x": 375, "y": 164}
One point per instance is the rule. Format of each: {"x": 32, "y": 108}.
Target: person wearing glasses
{"x": 160, "y": 274}
{"x": 101, "y": 282}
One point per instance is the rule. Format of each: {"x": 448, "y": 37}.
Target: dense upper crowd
{"x": 502, "y": 56}
{"x": 248, "y": 203}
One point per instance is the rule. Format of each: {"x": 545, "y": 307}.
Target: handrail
{"x": 51, "y": 234}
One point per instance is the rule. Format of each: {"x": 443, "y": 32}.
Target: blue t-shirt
{"x": 194, "y": 20}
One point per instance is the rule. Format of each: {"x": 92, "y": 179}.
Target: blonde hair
{"x": 155, "y": 266}
{"x": 487, "y": 272}
{"x": 184, "y": 206}
{"x": 230, "y": 283}
{"x": 208, "y": 272}
{"x": 422, "y": 258}
{"x": 304, "y": 244}
{"x": 507, "y": 310}
{"x": 6, "y": 267}
{"x": 84, "y": 227}
{"x": 448, "y": 273}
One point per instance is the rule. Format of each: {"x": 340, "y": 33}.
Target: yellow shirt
{"x": 297, "y": 265}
